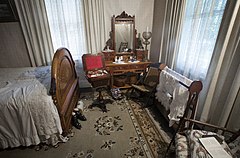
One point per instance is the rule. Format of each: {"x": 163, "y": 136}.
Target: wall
{"x": 13, "y": 50}
{"x": 142, "y": 9}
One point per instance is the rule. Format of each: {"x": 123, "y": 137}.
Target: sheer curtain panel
{"x": 222, "y": 102}
{"x": 66, "y": 20}
{"x": 95, "y": 25}
{"x": 34, "y": 23}
{"x": 200, "y": 29}
{"x": 172, "y": 27}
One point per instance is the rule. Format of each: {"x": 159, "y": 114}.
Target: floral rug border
{"x": 150, "y": 133}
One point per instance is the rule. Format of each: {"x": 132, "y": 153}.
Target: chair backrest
{"x": 93, "y": 61}
{"x": 123, "y": 46}
{"x": 152, "y": 77}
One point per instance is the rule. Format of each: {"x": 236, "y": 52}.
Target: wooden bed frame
{"x": 64, "y": 89}
{"x": 188, "y": 122}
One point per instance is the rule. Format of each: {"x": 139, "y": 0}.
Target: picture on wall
{"x": 8, "y": 12}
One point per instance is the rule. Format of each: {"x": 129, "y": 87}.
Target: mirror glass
{"x": 124, "y": 37}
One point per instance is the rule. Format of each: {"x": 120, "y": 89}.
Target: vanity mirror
{"x": 124, "y": 52}
{"x": 123, "y": 41}
{"x": 123, "y": 34}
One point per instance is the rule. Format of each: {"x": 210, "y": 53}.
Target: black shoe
{"x": 75, "y": 122}
{"x": 103, "y": 108}
{"x": 80, "y": 116}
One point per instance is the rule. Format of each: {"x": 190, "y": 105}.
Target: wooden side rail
{"x": 191, "y": 123}
{"x": 203, "y": 125}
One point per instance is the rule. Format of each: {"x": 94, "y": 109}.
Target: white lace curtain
{"x": 222, "y": 89}
{"x": 200, "y": 28}
{"x": 66, "y": 22}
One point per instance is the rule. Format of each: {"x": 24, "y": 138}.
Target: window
{"x": 66, "y": 22}
{"x": 200, "y": 29}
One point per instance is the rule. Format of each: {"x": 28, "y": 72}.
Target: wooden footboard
{"x": 64, "y": 86}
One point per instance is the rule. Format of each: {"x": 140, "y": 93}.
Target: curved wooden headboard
{"x": 64, "y": 86}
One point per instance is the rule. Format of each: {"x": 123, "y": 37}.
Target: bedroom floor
{"x": 66, "y": 150}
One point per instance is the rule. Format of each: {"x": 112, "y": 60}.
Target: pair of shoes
{"x": 75, "y": 122}
{"x": 116, "y": 93}
{"x": 80, "y": 116}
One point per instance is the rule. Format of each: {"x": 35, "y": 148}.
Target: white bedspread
{"x": 27, "y": 113}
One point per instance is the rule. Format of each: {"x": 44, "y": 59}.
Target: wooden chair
{"x": 123, "y": 46}
{"x": 147, "y": 84}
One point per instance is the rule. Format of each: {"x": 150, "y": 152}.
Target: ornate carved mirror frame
{"x": 123, "y": 33}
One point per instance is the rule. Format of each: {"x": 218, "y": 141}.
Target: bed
{"x": 36, "y": 103}
{"x": 188, "y": 144}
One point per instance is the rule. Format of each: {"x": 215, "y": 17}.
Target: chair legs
{"x": 130, "y": 93}
{"x": 147, "y": 98}
{"x": 169, "y": 146}
{"x": 100, "y": 101}
{"x": 150, "y": 98}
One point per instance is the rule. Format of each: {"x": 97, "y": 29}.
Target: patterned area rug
{"x": 125, "y": 130}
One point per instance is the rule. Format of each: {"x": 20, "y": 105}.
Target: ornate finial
{"x": 124, "y": 15}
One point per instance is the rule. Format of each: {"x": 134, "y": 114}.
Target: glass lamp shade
{"x": 147, "y": 35}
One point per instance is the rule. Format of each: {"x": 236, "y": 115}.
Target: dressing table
{"x": 118, "y": 70}
{"x": 125, "y": 59}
